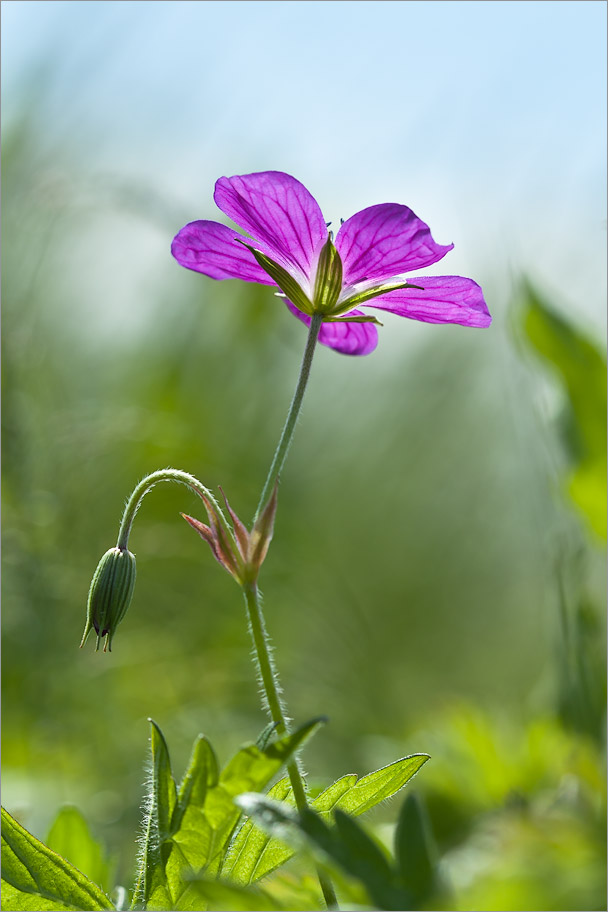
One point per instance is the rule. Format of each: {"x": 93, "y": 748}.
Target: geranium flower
{"x": 290, "y": 247}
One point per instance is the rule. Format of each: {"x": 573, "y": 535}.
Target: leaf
{"x": 370, "y": 790}
{"x": 192, "y": 831}
{"x": 189, "y": 830}
{"x": 415, "y": 851}
{"x": 254, "y": 853}
{"x": 345, "y": 845}
{"x": 70, "y": 837}
{"x": 251, "y": 769}
{"x": 265, "y": 735}
{"x": 151, "y": 890}
{"x": 581, "y": 367}
{"x": 36, "y": 878}
{"x": 225, "y": 897}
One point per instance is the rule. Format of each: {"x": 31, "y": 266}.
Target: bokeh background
{"x": 437, "y": 578}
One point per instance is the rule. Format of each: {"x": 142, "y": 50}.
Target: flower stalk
{"x": 294, "y": 411}
{"x": 146, "y": 485}
{"x": 269, "y": 680}
{"x": 266, "y": 668}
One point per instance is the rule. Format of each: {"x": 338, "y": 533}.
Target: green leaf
{"x": 189, "y": 830}
{"x": 345, "y": 845}
{"x": 192, "y": 831}
{"x": 370, "y": 790}
{"x": 414, "y": 850}
{"x": 265, "y": 735}
{"x": 151, "y": 890}
{"x": 225, "y": 897}
{"x": 580, "y": 365}
{"x": 71, "y": 837}
{"x": 254, "y": 853}
{"x": 35, "y": 878}
{"x": 250, "y": 770}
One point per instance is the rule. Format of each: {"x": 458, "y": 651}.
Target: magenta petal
{"x": 212, "y": 249}
{"x": 347, "y": 338}
{"x": 277, "y": 210}
{"x": 445, "y": 299}
{"x": 385, "y": 241}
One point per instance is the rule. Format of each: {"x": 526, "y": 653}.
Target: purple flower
{"x": 289, "y": 246}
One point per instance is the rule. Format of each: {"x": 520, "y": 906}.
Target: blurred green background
{"x": 436, "y": 582}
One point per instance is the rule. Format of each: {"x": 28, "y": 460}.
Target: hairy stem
{"x": 266, "y": 668}
{"x": 146, "y": 485}
{"x": 269, "y": 681}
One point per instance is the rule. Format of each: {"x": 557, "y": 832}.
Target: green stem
{"x": 269, "y": 679}
{"x": 292, "y": 416}
{"x": 266, "y": 667}
{"x": 146, "y": 485}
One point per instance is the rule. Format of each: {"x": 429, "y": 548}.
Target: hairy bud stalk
{"x": 114, "y": 580}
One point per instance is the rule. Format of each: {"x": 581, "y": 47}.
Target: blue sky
{"x": 487, "y": 118}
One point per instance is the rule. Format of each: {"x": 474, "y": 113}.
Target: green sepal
{"x": 356, "y": 319}
{"x": 36, "y": 878}
{"x": 284, "y": 280}
{"x": 373, "y": 292}
{"x": 328, "y": 281}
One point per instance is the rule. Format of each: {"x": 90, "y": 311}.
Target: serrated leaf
{"x": 71, "y": 837}
{"x": 36, "y": 878}
{"x": 253, "y": 848}
{"x": 255, "y": 854}
{"x": 188, "y": 832}
{"x": 376, "y": 787}
{"x": 192, "y": 831}
{"x": 251, "y": 769}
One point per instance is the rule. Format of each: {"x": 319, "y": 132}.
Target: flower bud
{"x": 110, "y": 595}
{"x": 239, "y": 551}
{"x": 261, "y": 535}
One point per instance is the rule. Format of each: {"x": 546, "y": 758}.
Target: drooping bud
{"x": 328, "y": 281}
{"x": 110, "y": 595}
